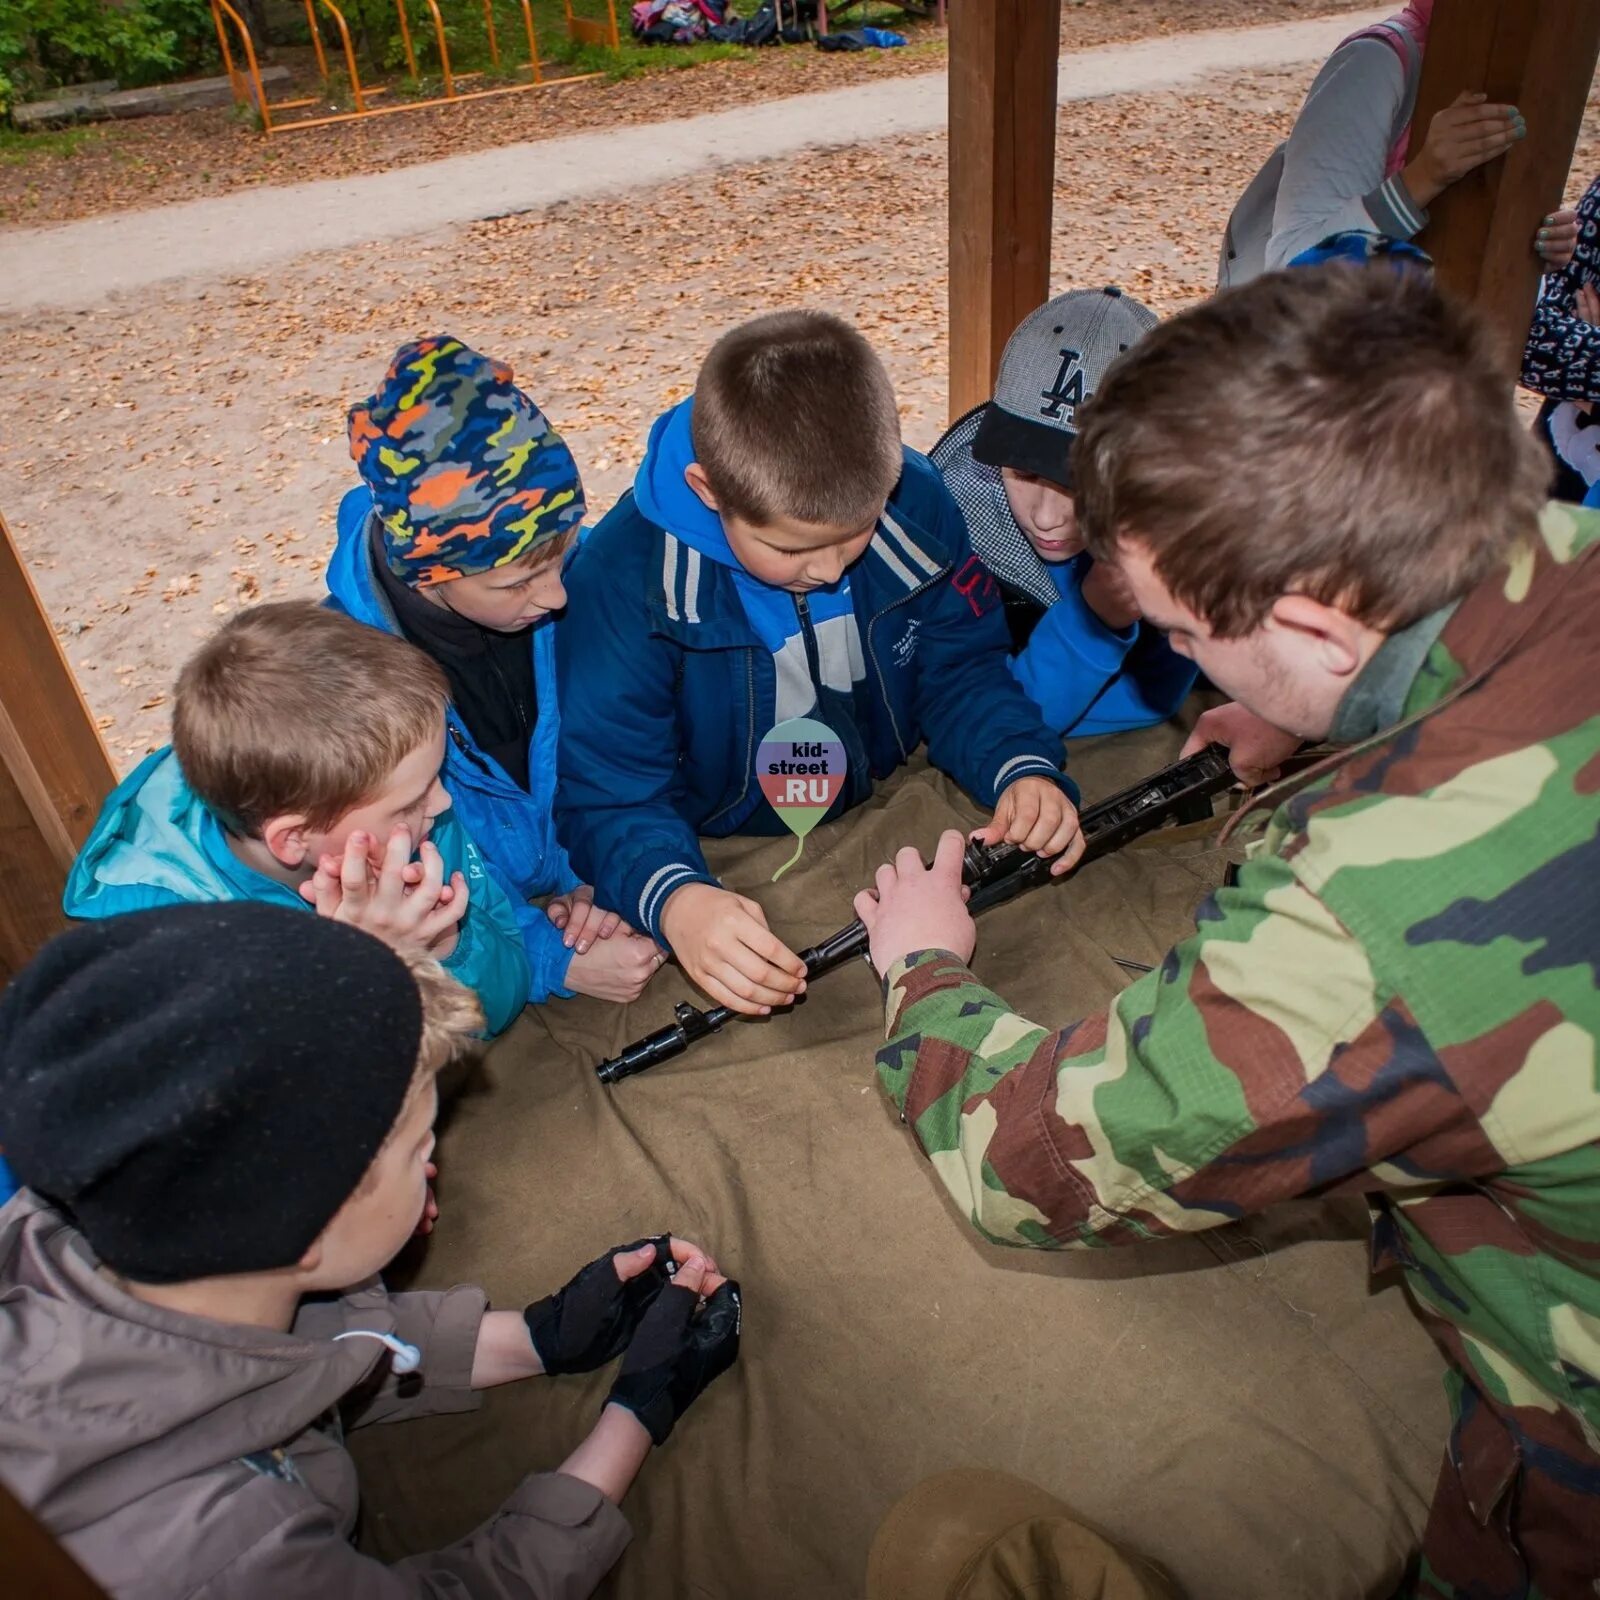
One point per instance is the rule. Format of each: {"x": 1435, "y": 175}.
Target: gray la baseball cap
{"x": 1053, "y": 363}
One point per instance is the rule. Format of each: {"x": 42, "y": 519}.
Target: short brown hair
{"x": 292, "y": 708}
{"x": 1337, "y": 431}
{"x": 794, "y": 416}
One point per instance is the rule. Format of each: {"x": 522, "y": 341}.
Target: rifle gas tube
{"x": 995, "y": 873}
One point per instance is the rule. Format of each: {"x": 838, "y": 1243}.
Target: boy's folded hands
{"x": 615, "y": 968}
{"x": 722, "y": 941}
{"x": 609, "y": 960}
{"x": 405, "y": 903}
{"x": 581, "y": 920}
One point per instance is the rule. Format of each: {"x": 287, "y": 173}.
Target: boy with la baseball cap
{"x": 1081, "y": 651}
{"x": 191, "y": 1320}
{"x": 470, "y": 502}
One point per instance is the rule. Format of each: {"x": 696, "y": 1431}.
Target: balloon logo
{"x": 801, "y": 767}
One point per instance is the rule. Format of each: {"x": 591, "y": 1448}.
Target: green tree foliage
{"x": 45, "y": 43}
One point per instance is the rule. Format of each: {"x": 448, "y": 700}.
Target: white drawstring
{"x": 407, "y": 1358}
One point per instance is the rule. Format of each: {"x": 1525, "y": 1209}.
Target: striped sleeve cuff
{"x": 1029, "y": 766}
{"x": 1394, "y": 211}
{"x": 659, "y": 888}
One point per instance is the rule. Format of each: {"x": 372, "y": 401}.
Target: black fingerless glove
{"x": 593, "y": 1319}
{"x": 680, "y": 1348}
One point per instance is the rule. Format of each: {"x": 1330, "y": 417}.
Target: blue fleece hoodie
{"x": 512, "y": 826}
{"x": 1089, "y": 678}
{"x": 664, "y": 496}
{"x": 669, "y": 678}
{"x": 156, "y": 843}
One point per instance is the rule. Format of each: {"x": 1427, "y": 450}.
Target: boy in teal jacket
{"x": 304, "y": 771}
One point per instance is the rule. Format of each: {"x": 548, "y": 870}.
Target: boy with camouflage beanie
{"x": 456, "y": 540}
{"x": 190, "y": 1314}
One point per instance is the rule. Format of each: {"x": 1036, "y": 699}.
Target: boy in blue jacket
{"x": 1082, "y": 652}
{"x": 304, "y": 771}
{"x": 780, "y": 556}
{"x": 469, "y": 505}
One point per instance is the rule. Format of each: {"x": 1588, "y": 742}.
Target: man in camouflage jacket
{"x": 1399, "y": 994}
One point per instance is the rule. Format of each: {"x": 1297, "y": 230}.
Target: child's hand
{"x": 615, "y": 969}
{"x": 1108, "y": 594}
{"x": 394, "y": 905}
{"x": 686, "y": 1340}
{"x": 592, "y": 1319}
{"x": 919, "y": 908}
{"x": 582, "y": 920}
{"x": 722, "y": 941}
{"x": 1036, "y": 815}
{"x": 1587, "y": 304}
{"x": 1557, "y": 240}
{"x": 1256, "y": 749}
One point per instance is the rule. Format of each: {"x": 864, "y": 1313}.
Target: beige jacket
{"x": 176, "y": 1457}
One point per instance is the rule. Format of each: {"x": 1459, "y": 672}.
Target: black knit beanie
{"x": 202, "y": 1087}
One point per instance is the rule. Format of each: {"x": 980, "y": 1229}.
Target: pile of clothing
{"x": 677, "y": 21}
{"x": 772, "y": 22}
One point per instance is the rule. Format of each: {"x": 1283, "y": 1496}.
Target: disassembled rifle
{"x": 1180, "y": 793}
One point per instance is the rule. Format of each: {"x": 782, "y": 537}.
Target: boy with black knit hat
{"x": 469, "y": 505}
{"x": 1081, "y": 651}
{"x": 190, "y": 1316}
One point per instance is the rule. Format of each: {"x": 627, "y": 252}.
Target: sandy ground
{"x": 166, "y": 461}
{"x": 157, "y": 160}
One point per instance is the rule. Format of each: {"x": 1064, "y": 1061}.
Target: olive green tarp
{"x": 1241, "y": 1405}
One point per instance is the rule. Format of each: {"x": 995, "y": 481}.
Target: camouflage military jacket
{"x": 1399, "y": 997}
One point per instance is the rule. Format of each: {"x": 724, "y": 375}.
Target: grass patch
{"x": 633, "y": 60}
{"x": 17, "y": 147}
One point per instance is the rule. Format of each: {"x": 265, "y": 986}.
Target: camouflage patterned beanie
{"x": 465, "y": 472}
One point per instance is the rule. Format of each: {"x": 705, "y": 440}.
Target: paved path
{"x": 79, "y": 263}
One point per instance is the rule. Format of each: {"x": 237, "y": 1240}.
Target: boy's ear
{"x": 286, "y": 838}
{"x": 1336, "y": 637}
{"x": 695, "y": 476}
{"x": 312, "y": 1259}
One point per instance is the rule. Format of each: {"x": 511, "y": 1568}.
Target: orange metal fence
{"x": 247, "y": 89}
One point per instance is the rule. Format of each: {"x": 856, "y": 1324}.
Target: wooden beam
{"x": 35, "y": 1563}
{"x": 1541, "y": 59}
{"x": 1002, "y": 172}
{"x": 54, "y": 770}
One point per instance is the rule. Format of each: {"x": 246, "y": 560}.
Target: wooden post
{"x": 1540, "y": 58}
{"x": 54, "y": 770}
{"x": 38, "y": 1566}
{"x": 1002, "y": 171}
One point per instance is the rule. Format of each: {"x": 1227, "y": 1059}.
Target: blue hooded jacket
{"x": 668, "y": 680}
{"x": 1088, "y": 678}
{"x": 156, "y": 843}
{"x": 512, "y": 826}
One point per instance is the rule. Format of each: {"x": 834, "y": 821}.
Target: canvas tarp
{"x": 1240, "y": 1405}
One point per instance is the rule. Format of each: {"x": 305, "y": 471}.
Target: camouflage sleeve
{"x": 1262, "y": 1060}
